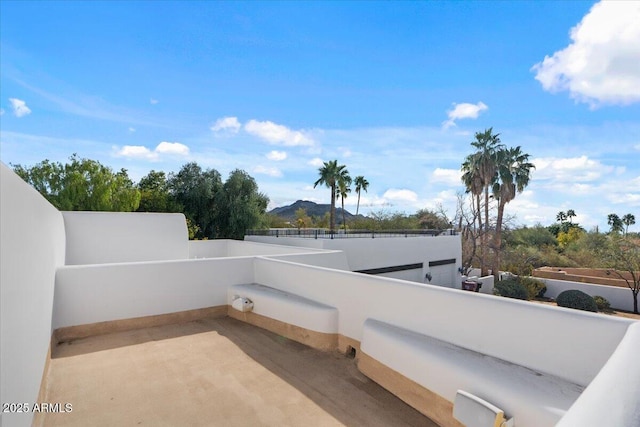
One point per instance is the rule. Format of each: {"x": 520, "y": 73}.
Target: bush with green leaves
{"x": 510, "y": 288}
{"x": 535, "y": 288}
{"x": 602, "y": 303}
{"x": 577, "y": 299}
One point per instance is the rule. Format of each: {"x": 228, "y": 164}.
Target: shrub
{"x": 510, "y": 288}
{"x": 602, "y": 303}
{"x": 578, "y": 300}
{"x": 535, "y": 288}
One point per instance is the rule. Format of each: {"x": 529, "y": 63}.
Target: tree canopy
{"x": 82, "y": 185}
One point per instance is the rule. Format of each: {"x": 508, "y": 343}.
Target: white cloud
{"x": 277, "y": 155}
{"x": 447, "y": 176}
{"x": 174, "y": 148}
{"x": 463, "y": 111}
{"x": 143, "y": 153}
{"x": 1, "y": 112}
{"x": 20, "y": 108}
{"x": 400, "y": 195}
{"x": 316, "y": 161}
{"x": 228, "y": 124}
{"x": 600, "y": 66}
{"x": 277, "y": 134}
{"x": 132, "y": 129}
{"x": 569, "y": 170}
{"x": 637, "y": 147}
{"x": 153, "y": 101}
{"x": 275, "y": 172}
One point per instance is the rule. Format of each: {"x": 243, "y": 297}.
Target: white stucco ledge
{"x": 533, "y": 399}
{"x": 612, "y": 397}
{"x": 288, "y": 308}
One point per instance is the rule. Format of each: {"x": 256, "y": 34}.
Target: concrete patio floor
{"x": 213, "y": 372}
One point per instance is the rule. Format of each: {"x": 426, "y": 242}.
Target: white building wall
{"x": 33, "y": 245}
{"x": 106, "y": 237}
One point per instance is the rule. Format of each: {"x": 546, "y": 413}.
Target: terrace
{"x": 124, "y": 318}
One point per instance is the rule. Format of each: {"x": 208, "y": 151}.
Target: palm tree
{"x": 482, "y": 166}
{"x": 361, "y": 184}
{"x": 615, "y": 222}
{"x": 571, "y": 214}
{"x": 627, "y": 220}
{"x": 513, "y": 173}
{"x": 344, "y": 183}
{"x": 330, "y": 173}
{"x": 473, "y": 183}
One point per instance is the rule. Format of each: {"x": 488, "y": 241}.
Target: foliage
{"x": 342, "y": 191}
{"x": 155, "y": 195}
{"x": 510, "y": 288}
{"x": 535, "y": 288}
{"x": 195, "y": 192}
{"x": 82, "y": 185}
{"x": 432, "y": 220}
{"x": 602, "y": 303}
{"x": 530, "y": 236}
{"x": 239, "y": 206}
{"x": 576, "y": 299}
{"x": 570, "y": 236}
{"x": 302, "y": 219}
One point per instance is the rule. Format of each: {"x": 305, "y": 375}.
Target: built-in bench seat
{"x": 533, "y": 399}
{"x": 290, "y": 315}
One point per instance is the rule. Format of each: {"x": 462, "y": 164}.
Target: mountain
{"x": 313, "y": 209}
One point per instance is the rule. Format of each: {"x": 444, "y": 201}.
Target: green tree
{"x": 343, "y": 189}
{"x": 240, "y": 206}
{"x": 330, "y": 173}
{"x": 195, "y": 191}
{"x": 361, "y": 185}
{"x": 82, "y": 185}
{"x": 154, "y": 193}
{"x": 302, "y": 219}
{"x": 513, "y": 175}
{"x": 431, "y": 220}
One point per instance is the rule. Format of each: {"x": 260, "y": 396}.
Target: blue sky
{"x": 393, "y": 90}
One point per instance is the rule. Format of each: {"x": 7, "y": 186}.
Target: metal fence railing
{"x": 322, "y": 233}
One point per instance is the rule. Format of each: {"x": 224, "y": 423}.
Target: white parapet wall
{"x": 33, "y": 246}
{"x": 98, "y": 293}
{"x": 439, "y": 256}
{"x": 108, "y": 237}
{"x": 515, "y": 331}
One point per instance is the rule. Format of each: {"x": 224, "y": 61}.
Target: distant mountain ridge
{"x": 312, "y": 209}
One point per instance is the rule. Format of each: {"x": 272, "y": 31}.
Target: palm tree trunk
{"x": 332, "y": 211}
{"x": 358, "y": 206}
{"x": 495, "y": 268}
{"x": 485, "y": 235}
{"x": 344, "y": 219}
{"x": 479, "y": 213}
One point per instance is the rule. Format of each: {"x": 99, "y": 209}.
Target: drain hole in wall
{"x": 351, "y": 352}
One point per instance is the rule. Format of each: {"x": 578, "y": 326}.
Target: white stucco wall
{"x": 539, "y": 337}
{"x": 619, "y": 298}
{"x": 106, "y": 237}
{"x": 98, "y": 293}
{"x": 33, "y": 245}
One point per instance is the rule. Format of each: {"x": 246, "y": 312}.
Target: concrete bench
{"x": 533, "y": 399}
{"x": 290, "y": 315}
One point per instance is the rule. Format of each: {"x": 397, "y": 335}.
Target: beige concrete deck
{"x": 213, "y": 372}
